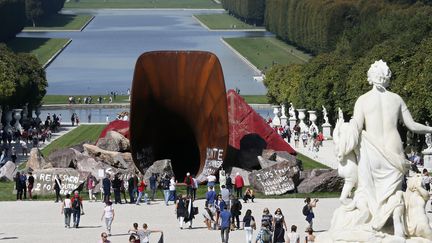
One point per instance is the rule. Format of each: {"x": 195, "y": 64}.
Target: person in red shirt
{"x": 189, "y": 184}
{"x": 141, "y": 189}
{"x": 238, "y": 184}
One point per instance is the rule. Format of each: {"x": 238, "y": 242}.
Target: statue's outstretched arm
{"x": 410, "y": 123}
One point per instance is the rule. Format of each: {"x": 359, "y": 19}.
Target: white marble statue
{"x": 347, "y": 167}
{"x": 428, "y": 139}
{"x": 324, "y": 110}
{"x": 291, "y": 111}
{"x": 377, "y": 211}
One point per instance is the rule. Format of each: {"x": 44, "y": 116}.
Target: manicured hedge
{"x": 250, "y": 11}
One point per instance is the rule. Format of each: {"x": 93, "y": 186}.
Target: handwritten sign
{"x": 45, "y": 180}
{"x": 212, "y": 164}
{"x": 276, "y": 179}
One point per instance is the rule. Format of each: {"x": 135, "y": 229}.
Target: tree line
{"x": 249, "y": 11}
{"x": 15, "y": 13}
{"x": 399, "y": 32}
{"x": 22, "y": 80}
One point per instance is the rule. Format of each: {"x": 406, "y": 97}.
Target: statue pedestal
{"x": 292, "y": 122}
{"x": 427, "y": 159}
{"x": 326, "y": 128}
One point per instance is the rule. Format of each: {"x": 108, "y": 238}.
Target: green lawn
{"x": 255, "y": 99}
{"x": 263, "y": 52}
{"x": 42, "y": 48}
{"x": 189, "y": 4}
{"x": 223, "y": 21}
{"x": 309, "y": 163}
{"x": 83, "y": 133}
{"x": 63, "y": 99}
{"x": 60, "y": 22}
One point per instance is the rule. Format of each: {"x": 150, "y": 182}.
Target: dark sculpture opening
{"x": 171, "y": 138}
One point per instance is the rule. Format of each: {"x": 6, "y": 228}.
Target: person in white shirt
{"x": 293, "y": 236}
{"x": 172, "y": 189}
{"x": 108, "y": 214}
{"x": 67, "y": 210}
{"x": 211, "y": 181}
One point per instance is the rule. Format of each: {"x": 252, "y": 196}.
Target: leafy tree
{"x": 34, "y": 10}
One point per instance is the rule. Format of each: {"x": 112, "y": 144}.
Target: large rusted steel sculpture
{"x": 179, "y": 111}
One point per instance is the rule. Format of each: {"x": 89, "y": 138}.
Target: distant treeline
{"x": 249, "y": 11}
{"x": 15, "y": 13}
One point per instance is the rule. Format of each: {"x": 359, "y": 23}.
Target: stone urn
{"x": 283, "y": 117}
{"x": 302, "y": 116}
{"x": 276, "y": 111}
{"x": 38, "y": 111}
{"x": 8, "y": 119}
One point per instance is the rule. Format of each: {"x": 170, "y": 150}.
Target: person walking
{"x": 141, "y": 191}
{"x": 116, "y": 184}
{"x": 208, "y": 216}
{"x": 267, "y": 217}
{"x": 181, "y": 210}
{"x": 90, "y": 186}
{"x": 279, "y": 226}
{"x": 229, "y": 184}
{"x": 67, "y": 210}
{"x": 104, "y": 238}
{"x": 264, "y": 234}
{"x": 172, "y": 188}
{"x": 293, "y": 237}
{"x": 195, "y": 187}
{"x": 239, "y": 183}
{"x": 225, "y": 224}
{"x": 131, "y": 189}
{"x": 249, "y": 225}
{"x": 189, "y": 184}
{"x": 219, "y": 207}
{"x": 77, "y": 209}
{"x": 190, "y": 215}
{"x": 30, "y": 185}
{"x": 23, "y": 179}
{"x": 18, "y": 186}
{"x": 144, "y": 234}
{"x": 106, "y": 185}
{"x": 108, "y": 214}
{"x": 153, "y": 186}
{"x": 310, "y": 237}
{"x": 57, "y": 187}
{"x": 236, "y": 207}
{"x": 225, "y": 194}
{"x": 166, "y": 188}
{"x": 210, "y": 196}
{"x": 308, "y": 211}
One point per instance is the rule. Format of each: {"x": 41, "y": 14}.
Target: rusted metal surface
{"x": 178, "y": 102}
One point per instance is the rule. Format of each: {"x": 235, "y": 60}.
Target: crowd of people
{"x": 222, "y": 210}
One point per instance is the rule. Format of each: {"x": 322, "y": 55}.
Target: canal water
{"x": 101, "y": 58}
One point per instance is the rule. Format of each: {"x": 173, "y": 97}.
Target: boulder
{"x": 64, "y": 158}
{"x": 282, "y": 156}
{"x": 99, "y": 169}
{"x": 276, "y": 179}
{"x": 114, "y": 159}
{"x": 36, "y": 161}
{"x": 8, "y": 171}
{"x": 71, "y": 180}
{"x": 264, "y": 163}
{"x": 160, "y": 167}
{"x": 114, "y": 141}
{"x": 321, "y": 181}
{"x": 244, "y": 173}
{"x": 269, "y": 154}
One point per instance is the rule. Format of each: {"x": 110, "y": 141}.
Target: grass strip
{"x": 83, "y": 133}
{"x": 223, "y": 21}
{"x": 264, "y": 52}
{"x": 6, "y": 189}
{"x": 64, "y": 99}
{"x": 60, "y": 22}
{"x": 255, "y": 99}
{"x": 181, "y": 4}
{"x": 42, "y": 48}
{"x": 309, "y": 163}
